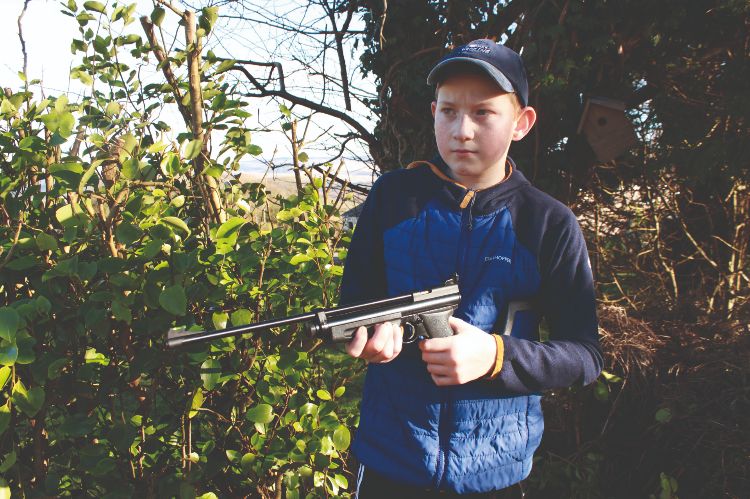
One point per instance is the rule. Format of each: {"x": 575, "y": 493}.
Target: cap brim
{"x": 492, "y": 71}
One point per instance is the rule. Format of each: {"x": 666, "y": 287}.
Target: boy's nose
{"x": 464, "y": 128}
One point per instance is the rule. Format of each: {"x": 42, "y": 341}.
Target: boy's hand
{"x": 467, "y": 355}
{"x": 384, "y": 345}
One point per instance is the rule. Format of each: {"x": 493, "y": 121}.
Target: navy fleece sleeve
{"x": 364, "y": 269}
{"x": 567, "y": 300}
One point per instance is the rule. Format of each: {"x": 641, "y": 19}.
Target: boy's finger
{"x": 386, "y": 353}
{"x": 436, "y": 358}
{"x": 357, "y": 344}
{"x": 436, "y": 344}
{"x": 379, "y": 340}
{"x": 438, "y": 369}
{"x": 440, "y": 380}
{"x": 455, "y": 323}
{"x": 398, "y": 339}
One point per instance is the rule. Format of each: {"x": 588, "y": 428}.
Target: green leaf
{"x": 8, "y": 462}
{"x": 56, "y": 367}
{"x": 241, "y": 317}
{"x": 247, "y": 461}
{"x": 208, "y": 18}
{"x": 4, "y": 489}
{"x": 70, "y": 215}
{"x": 9, "y": 322}
{"x": 8, "y": 353}
{"x": 28, "y": 401}
{"x": 93, "y": 357}
{"x": 25, "y": 343}
{"x": 173, "y": 300}
{"x": 611, "y": 378}
{"x": 230, "y": 227}
{"x": 121, "y": 312}
{"x": 7, "y": 108}
{"x": 131, "y": 169}
{"x": 663, "y": 415}
{"x": 113, "y": 108}
{"x": 67, "y": 173}
{"x": 299, "y": 258}
{"x": 341, "y": 481}
{"x": 323, "y": 394}
{"x": 87, "y": 176}
{"x": 178, "y": 224}
{"x": 210, "y": 373}
{"x": 4, "y": 418}
{"x": 601, "y": 392}
{"x": 224, "y": 66}
{"x": 261, "y": 413}
{"x": 339, "y": 391}
{"x": 4, "y": 376}
{"x": 193, "y": 149}
{"x": 178, "y": 201}
{"x": 196, "y": 403}
{"x": 170, "y": 164}
{"x": 42, "y": 305}
{"x": 303, "y": 157}
{"x": 128, "y": 233}
{"x": 157, "y": 15}
{"x": 341, "y": 438}
{"x": 94, "y": 6}
{"x": 220, "y": 319}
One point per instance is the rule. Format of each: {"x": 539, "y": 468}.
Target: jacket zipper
{"x": 443, "y": 436}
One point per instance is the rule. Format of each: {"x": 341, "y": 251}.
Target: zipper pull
{"x": 471, "y": 205}
{"x": 468, "y": 200}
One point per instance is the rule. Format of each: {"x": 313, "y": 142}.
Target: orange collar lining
{"x": 445, "y": 177}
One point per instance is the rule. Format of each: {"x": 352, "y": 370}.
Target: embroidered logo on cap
{"x": 475, "y": 48}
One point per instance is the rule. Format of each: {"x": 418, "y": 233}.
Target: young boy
{"x": 462, "y": 415}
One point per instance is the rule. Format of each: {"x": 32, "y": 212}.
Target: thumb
{"x": 457, "y": 324}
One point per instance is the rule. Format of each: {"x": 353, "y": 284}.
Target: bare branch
{"x": 282, "y": 93}
{"x": 166, "y": 68}
{"x": 23, "y": 42}
{"x": 171, "y": 7}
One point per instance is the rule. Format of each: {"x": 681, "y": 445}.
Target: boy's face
{"x": 475, "y": 122}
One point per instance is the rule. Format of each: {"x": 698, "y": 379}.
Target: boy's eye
{"x": 448, "y": 111}
{"x": 483, "y": 112}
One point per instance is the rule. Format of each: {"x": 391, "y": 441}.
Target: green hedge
{"x": 110, "y": 235}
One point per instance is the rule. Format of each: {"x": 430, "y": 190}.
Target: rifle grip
{"x": 435, "y": 323}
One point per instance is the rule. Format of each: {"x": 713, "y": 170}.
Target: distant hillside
{"x": 283, "y": 184}
{"x": 277, "y": 183}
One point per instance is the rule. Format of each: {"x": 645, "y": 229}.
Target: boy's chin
{"x": 475, "y": 175}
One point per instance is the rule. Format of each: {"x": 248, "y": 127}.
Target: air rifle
{"x": 423, "y": 314}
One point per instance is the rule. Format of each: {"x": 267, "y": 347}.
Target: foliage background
{"x": 118, "y": 223}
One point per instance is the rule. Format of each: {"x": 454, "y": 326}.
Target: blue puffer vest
{"x": 468, "y": 438}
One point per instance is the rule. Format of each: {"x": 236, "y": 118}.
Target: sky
{"x": 48, "y": 33}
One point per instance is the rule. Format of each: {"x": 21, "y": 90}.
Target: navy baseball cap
{"x": 502, "y": 64}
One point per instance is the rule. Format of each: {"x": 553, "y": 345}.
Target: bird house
{"x": 607, "y": 129}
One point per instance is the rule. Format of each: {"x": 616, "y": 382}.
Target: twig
{"x": 13, "y": 246}
{"x": 23, "y": 44}
{"x": 284, "y": 94}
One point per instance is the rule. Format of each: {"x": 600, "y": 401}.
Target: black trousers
{"x": 375, "y": 486}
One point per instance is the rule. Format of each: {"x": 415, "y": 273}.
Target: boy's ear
{"x": 433, "y": 106}
{"x": 524, "y": 122}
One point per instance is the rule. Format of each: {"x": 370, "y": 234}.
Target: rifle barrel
{"x": 179, "y": 336}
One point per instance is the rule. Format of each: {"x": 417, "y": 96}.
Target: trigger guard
{"x": 410, "y": 333}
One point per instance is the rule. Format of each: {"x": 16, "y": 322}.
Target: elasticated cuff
{"x": 499, "y": 358}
